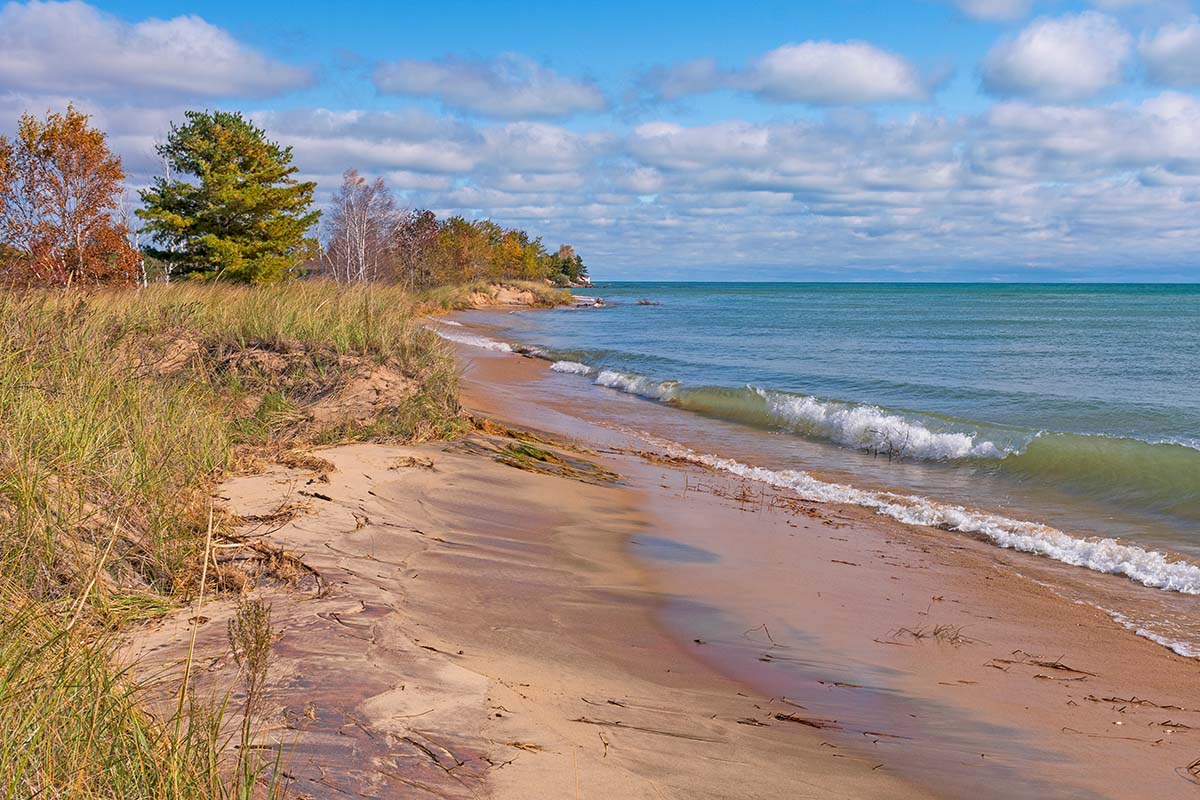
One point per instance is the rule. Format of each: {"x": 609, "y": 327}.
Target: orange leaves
{"x": 60, "y": 194}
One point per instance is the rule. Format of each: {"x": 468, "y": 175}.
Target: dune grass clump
{"x": 119, "y": 411}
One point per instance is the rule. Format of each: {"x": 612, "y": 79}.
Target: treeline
{"x": 366, "y": 237}
{"x": 229, "y": 207}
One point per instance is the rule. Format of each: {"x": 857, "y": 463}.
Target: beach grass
{"x": 119, "y": 412}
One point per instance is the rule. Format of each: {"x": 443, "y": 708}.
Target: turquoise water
{"x": 1077, "y": 404}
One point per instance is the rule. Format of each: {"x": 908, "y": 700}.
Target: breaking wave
{"x": 572, "y": 367}
{"x": 1162, "y": 477}
{"x": 1148, "y": 567}
{"x": 474, "y": 340}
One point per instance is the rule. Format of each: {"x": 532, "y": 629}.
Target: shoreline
{"x": 543, "y": 607}
{"x": 824, "y": 472}
{"x": 1000, "y": 607}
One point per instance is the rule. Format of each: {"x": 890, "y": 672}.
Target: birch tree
{"x": 358, "y": 230}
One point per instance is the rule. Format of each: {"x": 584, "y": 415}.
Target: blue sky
{"x": 854, "y": 140}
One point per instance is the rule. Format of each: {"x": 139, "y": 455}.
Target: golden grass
{"x": 119, "y": 411}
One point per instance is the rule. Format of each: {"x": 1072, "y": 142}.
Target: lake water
{"x": 1062, "y": 420}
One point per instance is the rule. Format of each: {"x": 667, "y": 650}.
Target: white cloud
{"x": 1171, "y": 54}
{"x": 539, "y": 147}
{"x": 328, "y": 141}
{"x": 1059, "y": 59}
{"x": 815, "y": 72}
{"x": 75, "y": 48}
{"x": 1066, "y": 188}
{"x": 994, "y": 10}
{"x": 830, "y": 73}
{"x": 508, "y": 87}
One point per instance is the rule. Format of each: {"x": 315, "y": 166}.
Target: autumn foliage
{"x": 60, "y": 205}
{"x": 366, "y": 238}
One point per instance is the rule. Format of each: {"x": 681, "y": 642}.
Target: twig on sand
{"x": 811, "y": 722}
{"x": 949, "y": 634}
{"x": 765, "y": 630}
{"x": 1056, "y": 664}
{"x": 623, "y": 726}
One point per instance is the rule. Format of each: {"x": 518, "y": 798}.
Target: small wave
{"x": 665, "y": 391}
{"x": 869, "y": 427}
{"x": 861, "y": 426}
{"x": 1148, "y": 567}
{"x": 1158, "y": 476}
{"x": 449, "y": 322}
{"x": 475, "y": 341}
{"x": 572, "y": 367}
{"x": 1161, "y": 477}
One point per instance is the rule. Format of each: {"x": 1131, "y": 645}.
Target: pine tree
{"x": 245, "y": 217}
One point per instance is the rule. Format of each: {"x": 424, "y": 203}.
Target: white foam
{"x": 449, "y": 322}
{"x": 871, "y": 428}
{"x": 1174, "y": 645}
{"x": 572, "y": 367}
{"x": 1148, "y": 567}
{"x": 475, "y": 341}
{"x": 638, "y": 384}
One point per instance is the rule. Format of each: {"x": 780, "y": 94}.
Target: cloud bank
{"x": 835, "y": 160}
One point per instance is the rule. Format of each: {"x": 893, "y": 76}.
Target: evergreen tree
{"x": 244, "y": 217}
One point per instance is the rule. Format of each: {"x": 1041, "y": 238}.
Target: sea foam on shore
{"x": 1148, "y": 567}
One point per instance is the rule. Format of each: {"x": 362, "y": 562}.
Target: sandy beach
{"x": 546, "y": 609}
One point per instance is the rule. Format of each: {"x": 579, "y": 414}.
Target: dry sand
{"x": 488, "y": 631}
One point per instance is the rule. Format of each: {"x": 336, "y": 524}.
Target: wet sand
{"x": 962, "y": 667}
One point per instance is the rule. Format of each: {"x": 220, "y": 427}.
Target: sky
{"x": 906, "y": 140}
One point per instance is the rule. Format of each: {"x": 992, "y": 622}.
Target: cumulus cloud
{"x": 994, "y": 10}
{"x": 72, "y": 46}
{"x": 1171, "y": 55}
{"x": 1059, "y": 58}
{"x": 1068, "y": 187}
{"x": 511, "y": 86}
{"x": 814, "y": 72}
{"x": 326, "y": 142}
{"x": 830, "y": 73}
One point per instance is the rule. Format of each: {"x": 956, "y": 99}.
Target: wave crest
{"x": 474, "y": 340}
{"x": 665, "y": 391}
{"x": 572, "y": 367}
{"x": 868, "y": 427}
{"x": 1148, "y": 567}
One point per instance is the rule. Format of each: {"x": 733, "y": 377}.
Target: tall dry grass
{"x": 118, "y": 412}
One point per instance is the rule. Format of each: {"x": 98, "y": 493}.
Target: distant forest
{"x": 228, "y": 206}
